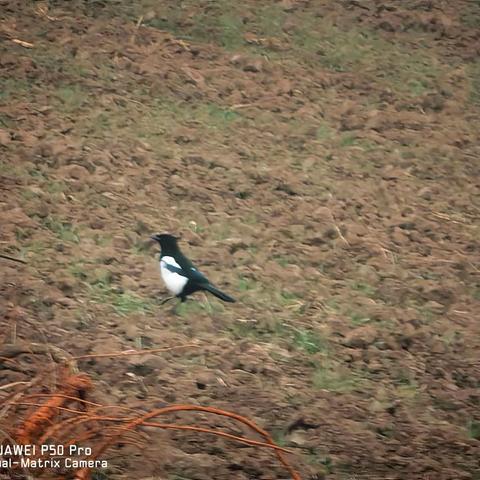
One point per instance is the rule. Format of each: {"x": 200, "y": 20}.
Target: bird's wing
{"x": 190, "y": 271}
{"x": 173, "y": 268}
{"x": 184, "y": 268}
{"x": 197, "y": 276}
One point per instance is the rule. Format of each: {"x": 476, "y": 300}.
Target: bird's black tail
{"x": 219, "y": 294}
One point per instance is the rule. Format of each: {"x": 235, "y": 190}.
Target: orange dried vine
{"x": 83, "y": 474}
{"x": 74, "y": 386}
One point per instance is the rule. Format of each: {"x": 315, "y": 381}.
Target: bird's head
{"x": 167, "y": 242}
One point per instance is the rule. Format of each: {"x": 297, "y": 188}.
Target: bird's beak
{"x": 154, "y": 237}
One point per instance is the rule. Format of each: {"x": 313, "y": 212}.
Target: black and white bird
{"x": 180, "y": 276}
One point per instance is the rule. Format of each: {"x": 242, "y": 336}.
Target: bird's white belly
{"x": 173, "y": 281}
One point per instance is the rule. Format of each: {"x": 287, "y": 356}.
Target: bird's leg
{"x": 174, "y": 309}
{"x": 208, "y": 304}
{"x": 182, "y": 300}
{"x": 165, "y": 300}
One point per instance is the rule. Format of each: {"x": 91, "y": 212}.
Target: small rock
{"x": 288, "y": 6}
{"x": 391, "y": 172}
{"x": 315, "y": 241}
{"x": 354, "y": 355}
{"x": 236, "y": 244}
{"x": 128, "y": 283}
{"x": 407, "y": 225}
{"x": 97, "y": 224}
{"x": 376, "y": 407}
{"x": 122, "y": 243}
{"x": 150, "y": 15}
{"x": 131, "y": 331}
{"x": 377, "y": 122}
{"x": 66, "y": 302}
{"x": 42, "y": 210}
{"x": 387, "y": 26}
{"x": 438, "y": 346}
{"x": 203, "y": 380}
{"x": 141, "y": 369}
{"x": 57, "y": 298}
{"x": 426, "y": 193}
{"x": 434, "y": 102}
{"x": 254, "y": 66}
{"x": 184, "y": 135}
{"x": 361, "y": 337}
{"x": 284, "y": 86}
{"x": 399, "y": 237}
{"x": 66, "y": 284}
{"x": 330, "y": 232}
{"x": 375, "y": 366}
{"x": 74, "y": 171}
{"x": 298, "y": 438}
{"x": 357, "y": 229}
{"x": 237, "y": 59}
{"x": 349, "y": 123}
{"x": 290, "y": 24}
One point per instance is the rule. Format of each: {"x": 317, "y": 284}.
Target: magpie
{"x": 180, "y": 276}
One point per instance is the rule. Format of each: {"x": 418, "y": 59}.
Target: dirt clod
{"x": 361, "y": 337}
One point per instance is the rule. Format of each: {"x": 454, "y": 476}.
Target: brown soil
{"x": 321, "y": 161}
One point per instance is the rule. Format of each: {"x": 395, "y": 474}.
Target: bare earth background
{"x": 320, "y": 160}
